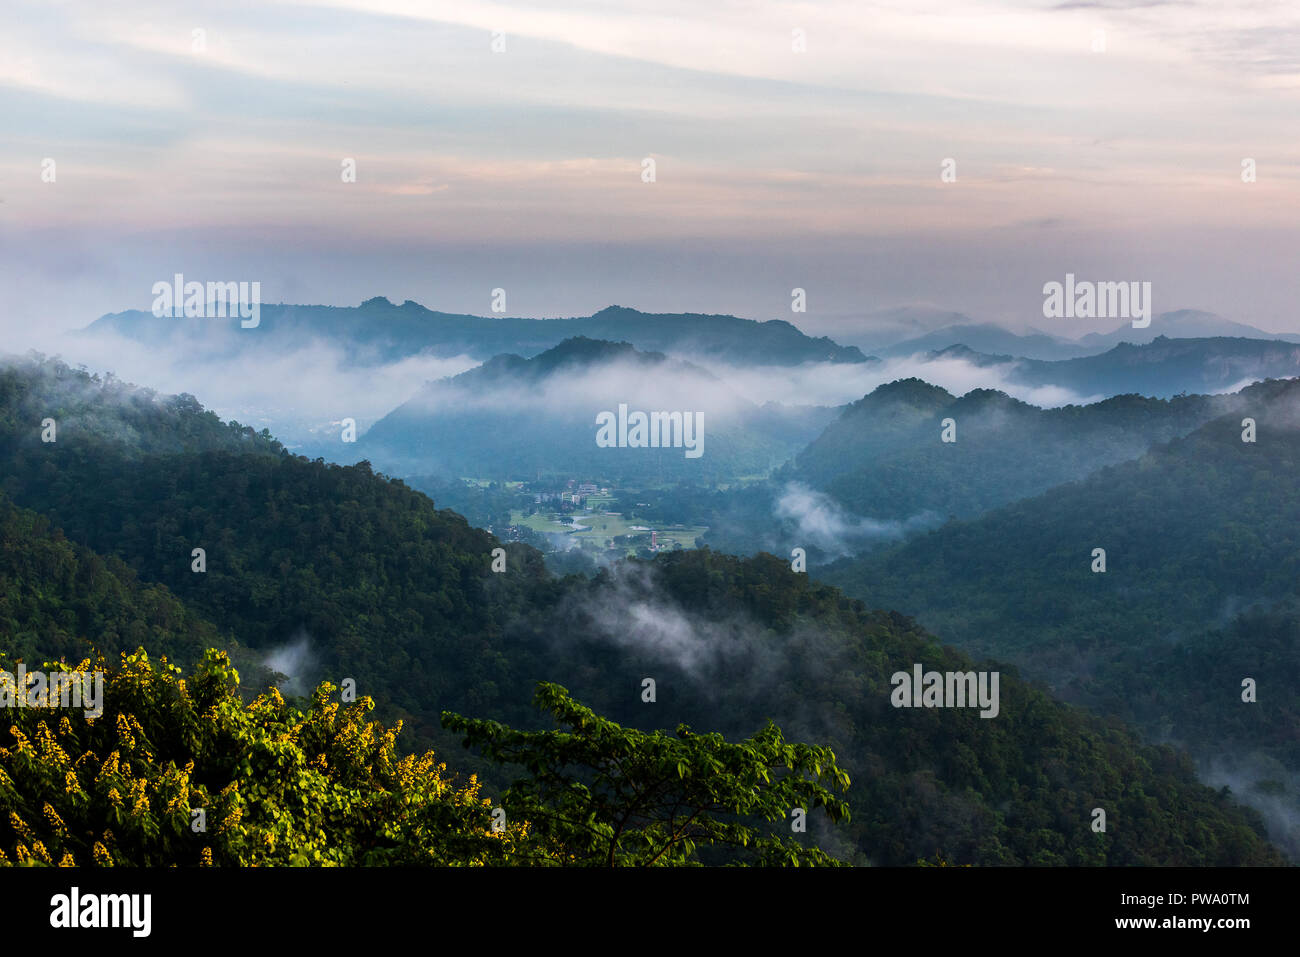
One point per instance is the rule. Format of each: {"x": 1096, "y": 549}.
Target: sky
{"x": 209, "y": 139}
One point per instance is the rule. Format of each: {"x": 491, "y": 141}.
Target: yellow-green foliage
{"x": 278, "y": 785}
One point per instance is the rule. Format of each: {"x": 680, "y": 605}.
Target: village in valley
{"x": 602, "y": 521}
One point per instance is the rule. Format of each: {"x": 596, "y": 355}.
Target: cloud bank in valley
{"x": 298, "y": 395}
{"x": 822, "y": 522}
{"x": 303, "y": 395}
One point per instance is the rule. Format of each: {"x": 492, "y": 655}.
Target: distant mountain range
{"x": 876, "y": 330}
{"x": 380, "y": 331}
{"x": 906, "y": 332}
{"x": 1162, "y": 367}
{"x": 1182, "y": 324}
{"x": 457, "y": 435}
{"x": 989, "y": 338}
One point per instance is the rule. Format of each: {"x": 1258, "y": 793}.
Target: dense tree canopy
{"x": 604, "y": 794}
{"x": 182, "y": 771}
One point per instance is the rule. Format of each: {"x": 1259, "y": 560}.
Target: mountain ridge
{"x": 383, "y": 329}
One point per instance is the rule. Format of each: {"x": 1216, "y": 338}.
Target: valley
{"x": 548, "y": 555}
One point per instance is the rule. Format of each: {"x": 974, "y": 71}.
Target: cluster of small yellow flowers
{"x": 100, "y": 853}
{"x": 20, "y": 827}
{"x": 472, "y": 788}
{"x": 21, "y": 744}
{"x": 71, "y": 784}
{"x": 110, "y": 765}
{"x": 113, "y": 797}
{"x": 67, "y": 860}
{"x": 404, "y": 773}
{"x": 205, "y": 858}
{"x": 56, "y": 822}
{"x": 124, "y": 735}
{"x": 48, "y": 747}
{"x": 139, "y": 799}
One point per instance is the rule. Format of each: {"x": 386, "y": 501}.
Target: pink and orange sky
{"x": 521, "y": 169}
